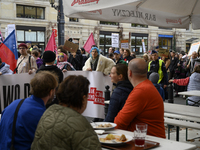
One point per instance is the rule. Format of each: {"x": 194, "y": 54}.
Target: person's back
{"x": 194, "y": 84}
{"x": 144, "y": 104}
{"x": 154, "y": 77}
{"x": 27, "y": 120}
{"x": 5, "y": 68}
{"x": 42, "y": 87}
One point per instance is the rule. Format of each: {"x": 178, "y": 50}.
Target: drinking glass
{"x": 140, "y": 134}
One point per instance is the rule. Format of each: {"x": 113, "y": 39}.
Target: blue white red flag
{"x": 8, "y": 51}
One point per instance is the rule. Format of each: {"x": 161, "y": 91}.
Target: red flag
{"x": 89, "y": 43}
{"x": 51, "y": 45}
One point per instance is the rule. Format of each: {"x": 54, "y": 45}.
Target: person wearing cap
{"x": 173, "y": 64}
{"x": 154, "y": 77}
{"x": 118, "y": 59}
{"x": 48, "y": 59}
{"x": 25, "y": 63}
{"x": 98, "y": 62}
{"x": 158, "y": 66}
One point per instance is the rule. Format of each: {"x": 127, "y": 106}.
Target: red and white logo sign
{"x": 96, "y": 96}
{"x": 81, "y": 2}
{"x": 174, "y": 21}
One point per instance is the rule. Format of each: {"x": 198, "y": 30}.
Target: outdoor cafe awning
{"x": 161, "y": 13}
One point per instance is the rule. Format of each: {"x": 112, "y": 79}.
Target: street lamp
{"x": 60, "y": 21}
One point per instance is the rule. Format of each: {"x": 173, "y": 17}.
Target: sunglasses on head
{"x": 60, "y": 56}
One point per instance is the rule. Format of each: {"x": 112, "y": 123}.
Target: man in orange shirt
{"x": 144, "y": 103}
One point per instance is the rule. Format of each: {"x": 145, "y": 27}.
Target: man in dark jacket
{"x": 173, "y": 64}
{"x": 118, "y": 60}
{"x": 76, "y": 60}
{"x": 127, "y": 55}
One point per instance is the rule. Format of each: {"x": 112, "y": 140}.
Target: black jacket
{"x": 53, "y": 69}
{"x": 118, "y": 99}
{"x": 128, "y": 59}
{"x": 77, "y": 61}
{"x": 173, "y": 64}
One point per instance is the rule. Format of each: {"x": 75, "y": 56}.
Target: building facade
{"x": 35, "y": 19}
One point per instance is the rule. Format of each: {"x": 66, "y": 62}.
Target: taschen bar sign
{"x": 81, "y": 2}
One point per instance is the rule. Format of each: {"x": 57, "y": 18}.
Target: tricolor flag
{"x": 51, "y": 45}
{"x": 89, "y": 43}
{"x": 8, "y": 51}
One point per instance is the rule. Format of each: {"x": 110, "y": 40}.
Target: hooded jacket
{"x": 160, "y": 90}
{"x": 118, "y": 99}
{"x": 5, "y": 69}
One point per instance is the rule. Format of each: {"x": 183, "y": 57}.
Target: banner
{"x": 17, "y": 87}
{"x": 115, "y": 40}
{"x": 125, "y": 44}
{"x": 194, "y": 48}
{"x": 163, "y": 52}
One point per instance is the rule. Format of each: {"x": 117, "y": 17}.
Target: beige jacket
{"x": 104, "y": 64}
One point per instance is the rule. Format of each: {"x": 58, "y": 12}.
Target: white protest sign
{"x": 17, "y": 87}
{"x": 194, "y": 48}
{"x": 10, "y": 28}
{"x": 125, "y": 44}
{"x": 115, "y": 40}
{"x": 143, "y": 45}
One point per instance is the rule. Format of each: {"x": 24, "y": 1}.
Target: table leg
{"x": 177, "y": 133}
{"x": 168, "y": 131}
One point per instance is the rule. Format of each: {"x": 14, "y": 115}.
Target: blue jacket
{"x": 118, "y": 99}
{"x": 28, "y": 117}
{"x": 160, "y": 90}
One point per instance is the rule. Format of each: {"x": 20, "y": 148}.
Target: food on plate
{"x": 122, "y": 137}
{"x": 104, "y": 125}
{"x": 110, "y": 137}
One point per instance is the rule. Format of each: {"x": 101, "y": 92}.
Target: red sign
{"x": 55, "y": 32}
{"x": 80, "y": 2}
{"x": 96, "y": 96}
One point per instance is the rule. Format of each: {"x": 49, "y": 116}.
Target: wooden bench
{"x": 181, "y": 115}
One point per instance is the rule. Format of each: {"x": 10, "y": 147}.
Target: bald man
{"x": 144, "y": 104}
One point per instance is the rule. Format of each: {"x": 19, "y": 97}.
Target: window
{"x": 36, "y": 35}
{"x": 73, "y": 19}
{"x": 139, "y": 25}
{"x": 109, "y": 23}
{"x": 30, "y": 12}
{"x": 136, "y": 43}
{"x": 105, "y": 41}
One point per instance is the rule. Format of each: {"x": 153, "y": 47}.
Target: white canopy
{"x": 162, "y": 13}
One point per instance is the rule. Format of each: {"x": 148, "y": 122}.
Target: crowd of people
{"x": 51, "y": 116}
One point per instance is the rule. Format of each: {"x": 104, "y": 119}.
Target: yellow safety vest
{"x": 159, "y": 70}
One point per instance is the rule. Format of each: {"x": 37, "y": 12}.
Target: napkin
{"x": 99, "y": 131}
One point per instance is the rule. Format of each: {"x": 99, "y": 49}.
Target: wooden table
{"x": 164, "y": 143}
{"x": 190, "y": 93}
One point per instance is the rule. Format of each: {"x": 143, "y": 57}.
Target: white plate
{"x": 95, "y": 125}
{"x": 113, "y": 142}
